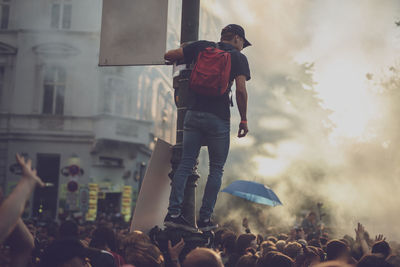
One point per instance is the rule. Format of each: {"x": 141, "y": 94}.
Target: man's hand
{"x": 245, "y": 222}
{"x": 243, "y": 130}
{"x": 27, "y": 171}
{"x": 360, "y": 231}
{"x": 379, "y": 237}
{"x": 174, "y": 251}
{"x": 173, "y": 55}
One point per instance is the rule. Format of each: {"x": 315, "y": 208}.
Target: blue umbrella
{"x": 253, "y": 191}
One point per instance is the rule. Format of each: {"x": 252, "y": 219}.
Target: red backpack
{"x": 210, "y": 75}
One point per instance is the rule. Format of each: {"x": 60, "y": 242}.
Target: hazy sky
{"x": 346, "y": 40}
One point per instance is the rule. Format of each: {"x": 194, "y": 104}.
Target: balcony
{"x": 114, "y": 128}
{"x": 72, "y": 128}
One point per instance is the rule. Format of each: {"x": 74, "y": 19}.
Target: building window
{"x": 61, "y": 12}
{"x": 53, "y": 90}
{"x": 4, "y": 13}
{"x": 116, "y": 97}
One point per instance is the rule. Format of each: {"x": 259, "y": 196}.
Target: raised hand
{"x": 27, "y": 171}
{"x": 360, "y": 231}
{"x": 245, "y": 222}
{"x": 174, "y": 251}
{"x": 379, "y": 237}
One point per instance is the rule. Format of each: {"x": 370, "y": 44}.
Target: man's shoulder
{"x": 241, "y": 57}
{"x": 201, "y": 44}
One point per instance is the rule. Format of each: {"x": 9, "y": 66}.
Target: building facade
{"x": 89, "y": 130}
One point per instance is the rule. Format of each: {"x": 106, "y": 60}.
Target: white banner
{"x": 133, "y": 32}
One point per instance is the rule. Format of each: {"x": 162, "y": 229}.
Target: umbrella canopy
{"x": 253, "y": 191}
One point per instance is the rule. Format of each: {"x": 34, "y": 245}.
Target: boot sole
{"x": 208, "y": 228}
{"x": 181, "y": 226}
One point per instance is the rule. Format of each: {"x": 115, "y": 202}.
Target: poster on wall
{"x": 92, "y": 209}
{"x": 84, "y": 199}
{"x": 126, "y": 202}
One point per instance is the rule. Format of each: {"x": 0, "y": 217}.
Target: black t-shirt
{"x": 239, "y": 66}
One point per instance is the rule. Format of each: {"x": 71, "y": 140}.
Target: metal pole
{"x": 189, "y": 32}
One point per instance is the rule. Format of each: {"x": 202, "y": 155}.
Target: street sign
{"x": 133, "y": 32}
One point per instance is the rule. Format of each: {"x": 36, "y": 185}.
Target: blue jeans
{"x": 199, "y": 126}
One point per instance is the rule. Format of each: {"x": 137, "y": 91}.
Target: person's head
{"x": 218, "y": 238}
{"x": 247, "y": 260}
{"x": 68, "y": 229}
{"x": 136, "y": 236}
{"x": 381, "y": 247}
{"x": 337, "y": 250}
{"x": 103, "y": 238}
{"x": 229, "y": 242}
{"x": 308, "y": 258}
{"x": 315, "y": 243}
{"x": 275, "y": 259}
{"x": 312, "y": 216}
{"x": 272, "y": 239}
{"x": 201, "y": 257}
{"x": 324, "y": 240}
{"x": 282, "y": 236}
{"x": 373, "y": 261}
{"x": 267, "y": 246}
{"x": 234, "y": 35}
{"x": 245, "y": 241}
{"x": 280, "y": 245}
{"x": 65, "y": 252}
{"x": 292, "y": 250}
{"x": 143, "y": 254}
{"x": 318, "y": 251}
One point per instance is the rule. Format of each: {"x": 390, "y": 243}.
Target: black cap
{"x": 237, "y": 29}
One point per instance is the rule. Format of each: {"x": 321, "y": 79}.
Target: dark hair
{"x": 142, "y": 254}
{"x": 335, "y": 249}
{"x": 373, "y": 261}
{"x": 275, "y": 259}
{"x": 227, "y": 36}
{"x": 312, "y": 213}
{"x": 381, "y": 247}
{"x": 272, "y": 238}
{"x": 103, "y": 237}
{"x": 292, "y": 249}
{"x": 243, "y": 242}
{"x": 282, "y": 236}
{"x": 306, "y": 258}
{"x": 68, "y": 229}
{"x": 319, "y": 251}
{"x": 201, "y": 257}
{"x": 248, "y": 260}
{"x": 229, "y": 242}
{"x": 323, "y": 240}
{"x": 315, "y": 243}
{"x": 218, "y": 238}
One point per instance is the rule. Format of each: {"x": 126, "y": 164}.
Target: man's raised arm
{"x": 174, "y": 54}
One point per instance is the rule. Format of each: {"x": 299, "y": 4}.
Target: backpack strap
{"x": 230, "y": 82}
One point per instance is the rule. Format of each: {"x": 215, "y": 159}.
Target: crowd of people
{"x": 109, "y": 243}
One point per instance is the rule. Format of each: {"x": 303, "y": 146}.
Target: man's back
{"x": 218, "y": 106}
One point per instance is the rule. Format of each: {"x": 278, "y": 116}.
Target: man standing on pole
{"x": 207, "y": 120}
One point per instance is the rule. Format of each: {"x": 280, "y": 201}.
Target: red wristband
{"x": 243, "y": 121}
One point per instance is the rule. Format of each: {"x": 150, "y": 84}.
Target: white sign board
{"x": 133, "y": 32}
{"x": 152, "y": 203}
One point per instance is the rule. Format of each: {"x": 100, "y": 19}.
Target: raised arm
{"x": 174, "y": 54}
{"x": 241, "y": 100}
{"x": 13, "y": 206}
{"x": 22, "y": 244}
